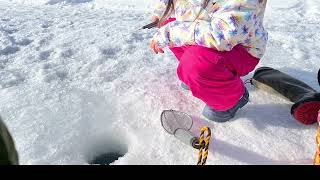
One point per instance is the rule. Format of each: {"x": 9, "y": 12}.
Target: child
{"x": 216, "y": 43}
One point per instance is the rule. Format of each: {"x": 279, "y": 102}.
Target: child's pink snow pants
{"x": 214, "y": 76}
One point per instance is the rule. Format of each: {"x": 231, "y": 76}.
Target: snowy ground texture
{"x": 77, "y": 79}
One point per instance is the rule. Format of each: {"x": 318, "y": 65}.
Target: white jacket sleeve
{"x": 225, "y": 30}
{"x": 160, "y": 7}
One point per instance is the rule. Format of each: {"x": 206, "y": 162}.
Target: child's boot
{"x": 224, "y": 116}
{"x": 184, "y": 86}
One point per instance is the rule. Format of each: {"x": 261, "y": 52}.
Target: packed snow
{"x": 77, "y": 79}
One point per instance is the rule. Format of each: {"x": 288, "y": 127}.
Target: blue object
{"x": 224, "y": 116}
{"x": 184, "y": 86}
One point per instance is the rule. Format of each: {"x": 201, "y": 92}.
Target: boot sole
{"x": 306, "y": 113}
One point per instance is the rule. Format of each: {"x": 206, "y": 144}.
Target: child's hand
{"x": 154, "y": 46}
{"x": 155, "y": 18}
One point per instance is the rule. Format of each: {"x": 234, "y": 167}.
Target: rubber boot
{"x": 306, "y": 100}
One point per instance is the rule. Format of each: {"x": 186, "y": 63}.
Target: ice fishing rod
{"x": 151, "y": 25}
{"x": 148, "y": 26}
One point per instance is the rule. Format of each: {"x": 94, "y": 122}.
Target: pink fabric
{"x": 213, "y": 76}
{"x": 167, "y": 21}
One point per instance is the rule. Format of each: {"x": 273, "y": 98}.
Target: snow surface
{"x": 77, "y": 79}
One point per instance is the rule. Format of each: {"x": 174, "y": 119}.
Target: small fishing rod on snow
{"x": 156, "y": 23}
{"x": 136, "y": 29}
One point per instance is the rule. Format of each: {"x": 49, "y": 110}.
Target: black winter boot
{"x": 306, "y": 100}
